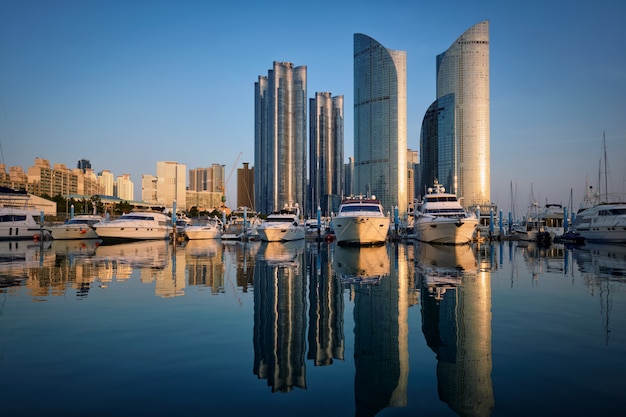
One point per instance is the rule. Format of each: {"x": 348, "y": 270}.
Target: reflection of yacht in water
{"x": 141, "y": 254}
{"x": 361, "y": 264}
{"x": 75, "y": 247}
{"x": 17, "y": 258}
{"x": 282, "y": 253}
{"x": 605, "y": 261}
{"x": 442, "y": 266}
{"x": 202, "y": 247}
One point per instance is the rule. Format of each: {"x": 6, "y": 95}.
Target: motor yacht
{"x": 78, "y": 227}
{"x": 18, "y": 223}
{"x": 205, "y": 229}
{"x": 360, "y": 221}
{"x": 136, "y": 225}
{"x": 440, "y": 218}
{"x": 602, "y": 222}
{"x": 282, "y": 225}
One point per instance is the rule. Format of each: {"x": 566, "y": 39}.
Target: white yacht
{"x": 242, "y": 225}
{"x": 552, "y": 218}
{"x": 360, "y": 221}
{"x": 78, "y": 227}
{"x": 440, "y": 218}
{"x": 603, "y": 222}
{"x": 282, "y": 225}
{"x": 136, "y": 225}
{"x": 18, "y": 223}
{"x": 205, "y": 229}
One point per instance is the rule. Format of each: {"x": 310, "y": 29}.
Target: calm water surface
{"x": 212, "y": 328}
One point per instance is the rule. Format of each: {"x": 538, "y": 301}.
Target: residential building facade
{"x": 326, "y": 166}
{"x": 280, "y": 112}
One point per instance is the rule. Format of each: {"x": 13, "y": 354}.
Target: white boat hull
{"x": 360, "y": 230}
{"x": 134, "y": 233}
{"x": 66, "y": 232}
{"x": 446, "y": 231}
{"x": 280, "y": 233}
{"x": 201, "y": 232}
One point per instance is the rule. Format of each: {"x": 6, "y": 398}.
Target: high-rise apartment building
{"x": 83, "y": 164}
{"x": 245, "y": 186}
{"x": 107, "y": 182}
{"x": 171, "y": 184}
{"x": 207, "y": 179}
{"x": 380, "y": 124}
{"x": 280, "y": 110}
{"x": 455, "y": 136}
{"x": 149, "y": 188}
{"x": 125, "y": 188}
{"x": 326, "y": 166}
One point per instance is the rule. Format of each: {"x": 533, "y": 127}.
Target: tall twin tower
{"x": 454, "y": 138}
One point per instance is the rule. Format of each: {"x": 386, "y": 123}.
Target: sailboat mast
{"x": 606, "y": 182}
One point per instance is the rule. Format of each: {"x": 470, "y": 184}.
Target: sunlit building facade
{"x": 380, "y": 124}
{"x": 326, "y": 166}
{"x": 455, "y": 137}
{"x": 125, "y": 188}
{"x": 171, "y": 184}
{"x": 280, "y": 113}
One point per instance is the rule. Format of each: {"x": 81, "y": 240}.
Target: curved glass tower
{"x": 380, "y": 126}
{"x": 463, "y": 71}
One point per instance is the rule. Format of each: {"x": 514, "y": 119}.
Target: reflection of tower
{"x": 204, "y": 264}
{"x": 280, "y": 316}
{"x": 326, "y": 337}
{"x": 457, "y": 327}
{"x": 381, "y": 340}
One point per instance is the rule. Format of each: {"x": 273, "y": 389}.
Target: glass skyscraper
{"x": 455, "y": 137}
{"x": 380, "y": 124}
{"x": 326, "y": 165}
{"x": 280, "y": 106}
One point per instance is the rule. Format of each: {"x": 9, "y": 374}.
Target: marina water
{"x": 311, "y": 329}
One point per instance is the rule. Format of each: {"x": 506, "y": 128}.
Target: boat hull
{"x": 277, "y": 233}
{"x": 132, "y": 233}
{"x": 193, "y": 232}
{"x": 446, "y": 231}
{"x": 63, "y": 232}
{"x": 360, "y": 230}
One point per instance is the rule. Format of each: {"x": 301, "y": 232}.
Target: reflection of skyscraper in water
{"x": 381, "y": 339}
{"x": 457, "y": 326}
{"x": 326, "y": 336}
{"x": 280, "y": 315}
{"x": 204, "y": 264}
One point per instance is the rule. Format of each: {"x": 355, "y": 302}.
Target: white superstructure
{"x": 140, "y": 225}
{"x": 282, "y": 226}
{"x": 78, "y": 227}
{"x": 361, "y": 221}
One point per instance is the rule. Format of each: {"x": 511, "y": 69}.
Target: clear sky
{"x": 128, "y": 83}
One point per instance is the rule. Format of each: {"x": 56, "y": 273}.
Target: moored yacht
{"x": 282, "y": 225}
{"x": 440, "y": 218}
{"x": 360, "y": 221}
{"x": 17, "y": 223}
{"x": 603, "y": 222}
{"x": 136, "y": 225}
{"x": 205, "y": 229}
{"x": 78, "y": 227}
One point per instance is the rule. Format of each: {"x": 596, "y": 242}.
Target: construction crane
{"x": 224, "y": 184}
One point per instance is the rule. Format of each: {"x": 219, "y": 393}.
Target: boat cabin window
{"x": 358, "y": 207}
{"x": 440, "y": 198}
{"x": 13, "y": 218}
{"x": 136, "y": 217}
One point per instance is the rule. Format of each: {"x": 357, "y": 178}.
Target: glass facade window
{"x": 380, "y": 138}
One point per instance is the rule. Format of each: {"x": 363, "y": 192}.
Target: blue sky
{"x": 128, "y": 83}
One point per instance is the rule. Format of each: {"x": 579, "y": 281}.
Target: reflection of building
{"x": 457, "y": 327}
{"x": 204, "y": 264}
{"x": 280, "y": 316}
{"x": 326, "y": 336}
{"x": 381, "y": 350}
